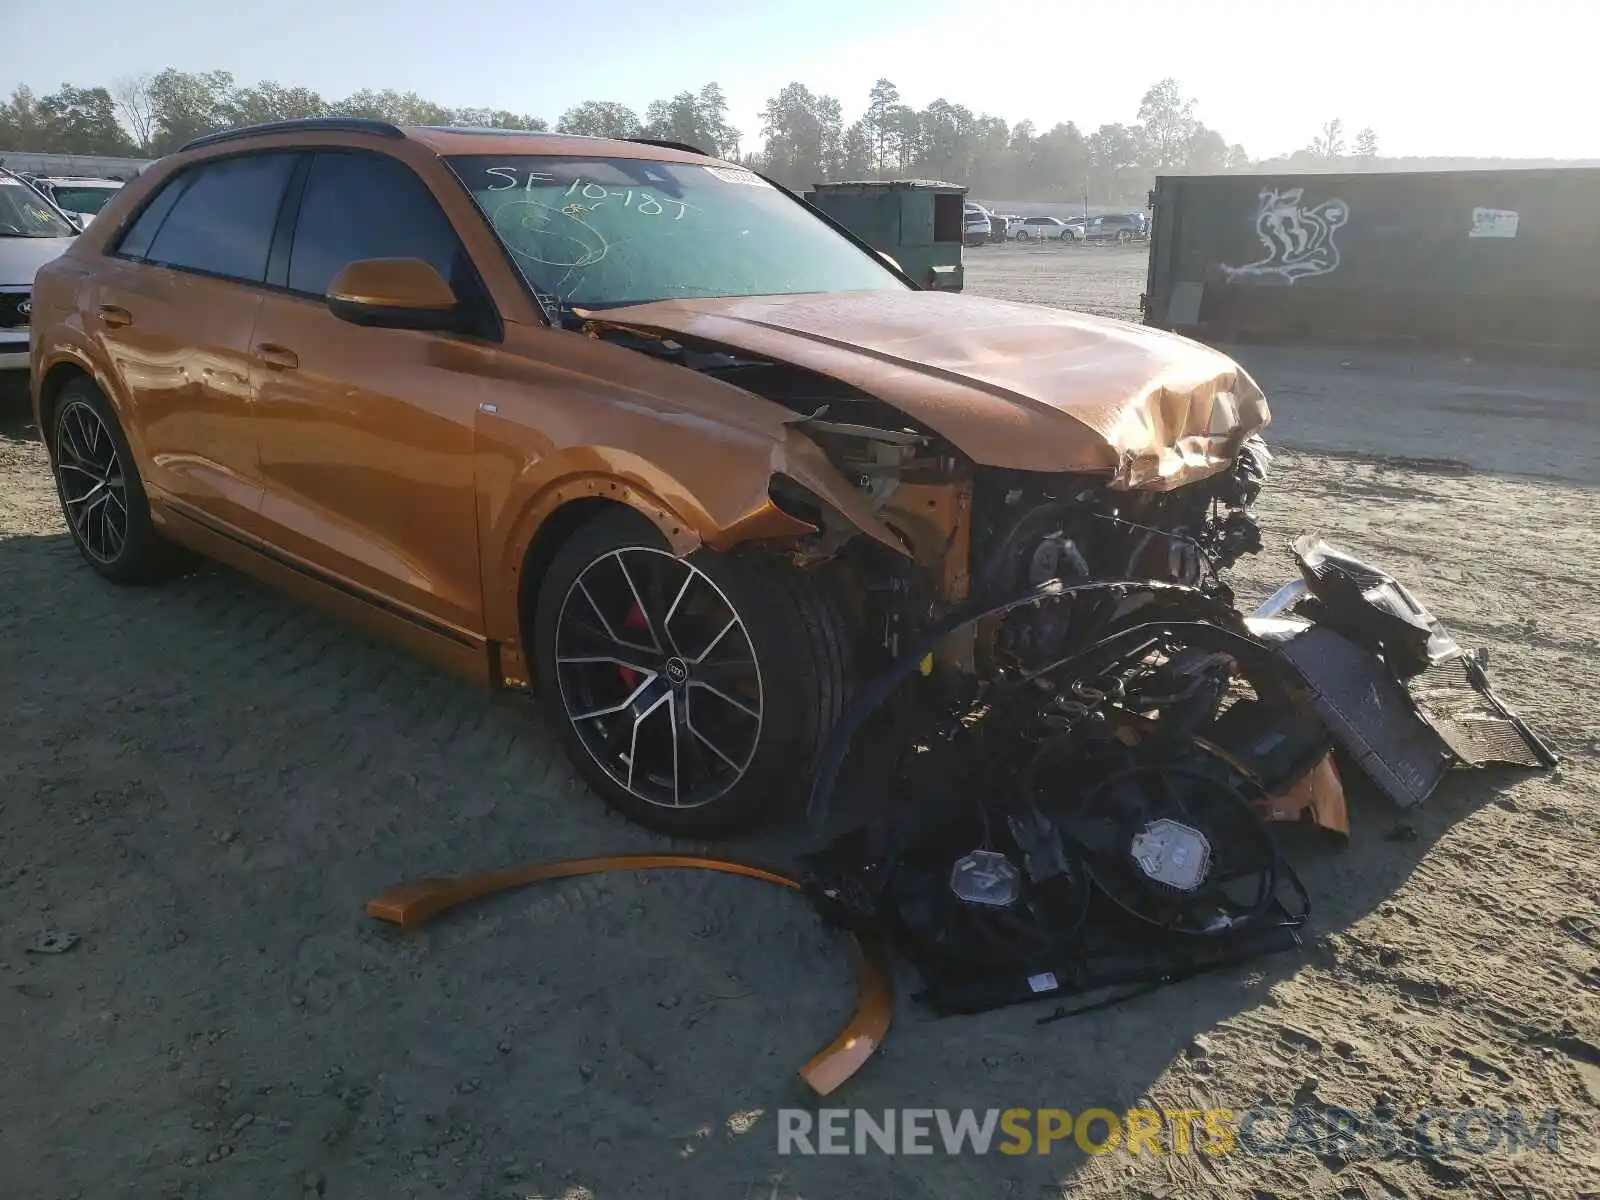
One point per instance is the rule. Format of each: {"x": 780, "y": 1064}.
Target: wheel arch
{"x": 516, "y": 563}
{"x": 553, "y": 533}
{"x": 529, "y": 513}
{"x": 54, "y": 382}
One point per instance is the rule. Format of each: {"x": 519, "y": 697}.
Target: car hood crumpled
{"x": 1011, "y": 385}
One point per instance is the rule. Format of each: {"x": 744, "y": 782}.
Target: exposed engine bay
{"x": 975, "y": 534}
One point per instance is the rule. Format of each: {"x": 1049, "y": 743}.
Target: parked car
{"x": 687, "y": 490}
{"x": 975, "y": 226}
{"x": 1116, "y": 227}
{"x": 32, "y": 232}
{"x": 1041, "y": 229}
{"x": 81, "y": 197}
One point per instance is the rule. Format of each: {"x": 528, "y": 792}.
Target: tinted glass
{"x": 362, "y": 206}
{"x": 611, "y": 231}
{"x": 136, "y": 242}
{"x": 223, "y": 222}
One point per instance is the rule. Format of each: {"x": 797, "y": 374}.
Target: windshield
{"x": 24, "y": 213}
{"x": 597, "y": 232}
{"x": 81, "y": 199}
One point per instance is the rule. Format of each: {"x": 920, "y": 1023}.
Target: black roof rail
{"x": 298, "y": 125}
{"x": 684, "y": 146}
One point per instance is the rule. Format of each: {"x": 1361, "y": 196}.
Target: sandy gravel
{"x": 204, "y": 783}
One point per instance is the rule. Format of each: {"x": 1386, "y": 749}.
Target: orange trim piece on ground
{"x": 409, "y": 905}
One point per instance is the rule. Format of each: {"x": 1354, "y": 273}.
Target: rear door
{"x": 174, "y": 309}
{"x": 366, "y": 434}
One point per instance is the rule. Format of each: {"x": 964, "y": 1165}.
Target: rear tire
{"x": 102, "y": 496}
{"x": 693, "y": 694}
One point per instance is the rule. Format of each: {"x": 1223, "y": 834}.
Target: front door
{"x": 174, "y": 309}
{"x": 365, "y": 435}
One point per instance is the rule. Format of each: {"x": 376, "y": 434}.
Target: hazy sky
{"x": 1460, "y": 77}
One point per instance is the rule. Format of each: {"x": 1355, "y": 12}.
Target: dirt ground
{"x": 205, "y": 782}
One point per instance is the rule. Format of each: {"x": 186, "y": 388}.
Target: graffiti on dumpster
{"x": 1298, "y": 238}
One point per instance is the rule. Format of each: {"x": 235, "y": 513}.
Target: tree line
{"x": 803, "y": 137}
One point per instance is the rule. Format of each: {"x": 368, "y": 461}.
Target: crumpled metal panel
{"x": 1011, "y": 385}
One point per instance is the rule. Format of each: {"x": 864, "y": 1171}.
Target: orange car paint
{"x": 399, "y": 477}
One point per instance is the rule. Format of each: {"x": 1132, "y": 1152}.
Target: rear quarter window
{"x": 136, "y": 241}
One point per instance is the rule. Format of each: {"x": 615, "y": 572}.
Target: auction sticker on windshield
{"x": 737, "y": 175}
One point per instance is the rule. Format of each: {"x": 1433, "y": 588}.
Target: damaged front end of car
{"x": 1067, "y": 746}
{"x": 975, "y": 534}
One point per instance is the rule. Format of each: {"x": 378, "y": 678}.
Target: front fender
{"x": 723, "y": 508}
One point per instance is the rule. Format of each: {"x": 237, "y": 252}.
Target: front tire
{"x": 693, "y": 694}
{"x": 102, "y": 495}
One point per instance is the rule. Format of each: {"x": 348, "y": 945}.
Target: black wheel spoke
{"x": 726, "y": 698}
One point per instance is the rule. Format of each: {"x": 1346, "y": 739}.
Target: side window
{"x": 136, "y": 241}
{"x": 222, "y": 223}
{"x": 363, "y": 206}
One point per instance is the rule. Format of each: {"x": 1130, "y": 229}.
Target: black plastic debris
{"x": 1403, "y": 697}
{"x": 1093, "y": 813}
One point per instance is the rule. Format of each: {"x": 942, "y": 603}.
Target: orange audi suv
{"x": 613, "y": 422}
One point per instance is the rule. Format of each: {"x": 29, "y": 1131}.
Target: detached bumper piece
{"x": 409, "y": 905}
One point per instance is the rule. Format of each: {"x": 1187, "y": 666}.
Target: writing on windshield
{"x": 602, "y": 232}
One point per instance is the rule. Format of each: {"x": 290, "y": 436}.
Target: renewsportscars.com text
{"x": 1259, "y": 1130}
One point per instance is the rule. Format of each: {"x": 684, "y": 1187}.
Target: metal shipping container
{"x": 917, "y": 222}
{"x": 1487, "y": 260}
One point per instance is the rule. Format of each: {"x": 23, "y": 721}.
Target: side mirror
{"x": 394, "y": 293}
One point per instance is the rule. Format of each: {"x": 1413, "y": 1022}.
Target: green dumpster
{"x": 917, "y": 222}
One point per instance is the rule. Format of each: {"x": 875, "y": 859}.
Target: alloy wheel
{"x": 658, "y": 676}
{"x": 90, "y": 478}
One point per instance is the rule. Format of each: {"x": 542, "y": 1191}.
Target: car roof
{"x": 81, "y": 180}
{"x": 451, "y": 140}
{"x": 455, "y": 140}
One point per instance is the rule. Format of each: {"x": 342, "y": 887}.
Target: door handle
{"x": 115, "y": 316}
{"x": 277, "y": 358}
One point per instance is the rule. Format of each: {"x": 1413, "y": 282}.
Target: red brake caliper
{"x": 634, "y": 620}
